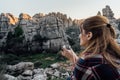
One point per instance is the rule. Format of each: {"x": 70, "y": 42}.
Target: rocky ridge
{"x": 51, "y": 28}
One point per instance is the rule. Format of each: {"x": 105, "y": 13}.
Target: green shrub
{"x": 18, "y": 31}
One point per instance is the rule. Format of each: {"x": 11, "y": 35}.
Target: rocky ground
{"x": 44, "y": 66}
{"x": 26, "y": 71}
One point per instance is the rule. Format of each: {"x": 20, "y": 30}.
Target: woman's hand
{"x": 69, "y": 54}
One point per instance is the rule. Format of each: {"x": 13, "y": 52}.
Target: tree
{"x": 15, "y": 39}
{"x": 18, "y": 31}
{"x": 9, "y": 36}
{"x": 18, "y": 35}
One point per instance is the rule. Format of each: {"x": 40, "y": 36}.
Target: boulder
{"x": 40, "y": 77}
{"x": 20, "y": 77}
{"x": 27, "y": 73}
{"x": 9, "y": 77}
{"x": 39, "y": 74}
{"x": 20, "y": 68}
{"x": 55, "y": 65}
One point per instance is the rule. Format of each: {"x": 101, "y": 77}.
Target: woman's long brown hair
{"x": 103, "y": 39}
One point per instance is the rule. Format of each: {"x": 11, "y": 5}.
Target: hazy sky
{"x": 73, "y": 8}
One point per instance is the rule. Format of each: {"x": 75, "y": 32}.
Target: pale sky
{"x": 76, "y": 9}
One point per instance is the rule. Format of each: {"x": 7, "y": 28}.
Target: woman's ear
{"x": 89, "y": 35}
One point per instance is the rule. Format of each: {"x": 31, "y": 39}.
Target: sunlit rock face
{"x": 10, "y": 18}
{"x": 28, "y": 25}
{"x": 7, "y": 23}
{"x": 25, "y": 16}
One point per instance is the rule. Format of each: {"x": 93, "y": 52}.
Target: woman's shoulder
{"x": 92, "y": 61}
{"x": 97, "y": 66}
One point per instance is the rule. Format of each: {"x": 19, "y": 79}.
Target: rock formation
{"x": 55, "y": 27}
{"x": 7, "y": 23}
{"x": 66, "y": 21}
{"x": 110, "y": 15}
{"x": 99, "y": 13}
{"x": 24, "y": 16}
{"x": 38, "y": 16}
{"x": 108, "y": 12}
{"x": 12, "y": 19}
{"x": 28, "y": 26}
{"x": 52, "y": 28}
{"x": 4, "y": 22}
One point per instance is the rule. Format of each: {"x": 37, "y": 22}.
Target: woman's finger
{"x": 62, "y": 53}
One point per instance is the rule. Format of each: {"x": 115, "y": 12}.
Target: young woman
{"x": 101, "y": 58}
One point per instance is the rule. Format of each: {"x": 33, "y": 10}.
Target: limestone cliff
{"x": 52, "y": 28}
{"x": 56, "y": 27}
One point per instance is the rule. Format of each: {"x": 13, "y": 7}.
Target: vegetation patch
{"x": 41, "y": 60}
